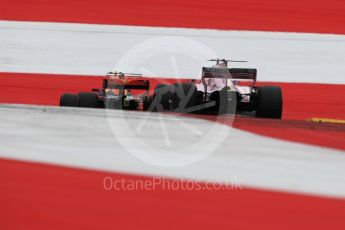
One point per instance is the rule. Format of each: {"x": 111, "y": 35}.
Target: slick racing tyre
{"x": 184, "y": 98}
{"x": 148, "y": 105}
{"x": 88, "y": 100}
{"x": 68, "y": 100}
{"x": 162, "y": 98}
{"x": 269, "y": 102}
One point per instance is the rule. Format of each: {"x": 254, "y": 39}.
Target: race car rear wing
{"x": 232, "y": 73}
{"x": 128, "y": 84}
{"x": 123, "y": 75}
{"x": 137, "y": 84}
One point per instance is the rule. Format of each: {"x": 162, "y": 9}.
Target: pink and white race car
{"x": 221, "y": 91}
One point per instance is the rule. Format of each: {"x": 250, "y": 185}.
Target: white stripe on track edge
{"x": 85, "y": 49}
{"x": 83, "y": 138}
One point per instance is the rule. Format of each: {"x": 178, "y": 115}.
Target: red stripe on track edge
{"x": 35, "y": 196}
{"x": 300, "y": 103}
{"x": 317, "y": 16}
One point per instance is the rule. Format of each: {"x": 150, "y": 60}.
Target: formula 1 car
{"x": 116, "y": 93}
{"x": 219, "y": 92}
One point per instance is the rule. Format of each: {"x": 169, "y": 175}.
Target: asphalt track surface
{"x": 41, "y": 196}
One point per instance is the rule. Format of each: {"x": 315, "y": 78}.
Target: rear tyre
{"x": 269, "y": 102}
{"x": 184, "y": 98}
{"x": 88, "y": 100}
{"x": 68, "y": 100}
{"x": 162, "y": 98}
{"x": 148, "y": 103}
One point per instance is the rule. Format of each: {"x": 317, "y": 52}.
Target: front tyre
{"x": 269, "y": 102}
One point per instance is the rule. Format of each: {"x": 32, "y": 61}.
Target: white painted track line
{"x": 84, "y": 138}
{"x": 62, "y": 48}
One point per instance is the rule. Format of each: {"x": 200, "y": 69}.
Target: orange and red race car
{"x": 218, "y": 92}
